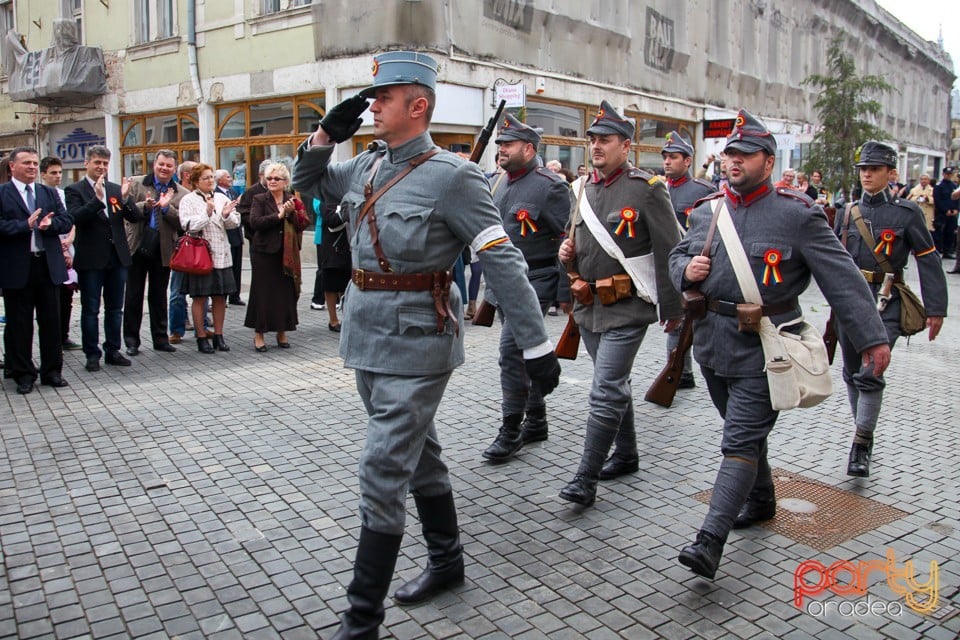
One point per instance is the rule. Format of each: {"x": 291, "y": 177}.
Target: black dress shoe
{"x": 237, "y": 301}
{"x": 218, "y": 343}
{"x": 687, "y": 381}
{"x": 261, "y": 349}
{"x": 334, "y": 327}
{"x": 132, "y": 351}
{"x": 166, "y": 347}
{"x": 25, "y": 386}
{"x": 93, "y": 364}
{"x": 615, "y": 466}
{"x": 54, "y": 380}
{"x": 754, "y": 511}
{"x": 954, "y": 271}
{"x": 116, "y": 359}
{"x": 582, "y": 490}
{"x": 703, "y": 556}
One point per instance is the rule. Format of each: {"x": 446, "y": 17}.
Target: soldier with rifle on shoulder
{"x": 624, "y": 231}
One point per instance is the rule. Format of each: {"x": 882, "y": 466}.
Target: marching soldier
{"x": 787, "y": 239}
{"x": 624, "y": 231}
{"x": 412, "y": 208}
{"x": 897, "y": 228}
{"x": 534, "y": 204}
{"x": 685, "y": 191}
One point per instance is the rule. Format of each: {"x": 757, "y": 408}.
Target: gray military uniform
{"x": 883, "y": 212}
{"x": 613, "y": 333}
{"x": 732, "y": 362}
{"x": 390, "y": 337}
{"x": 534, "y": 204}
{"x": 684, "y": 194}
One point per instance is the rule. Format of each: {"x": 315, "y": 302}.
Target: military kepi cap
{"x": 608, "y": 121}
{"x": 676, "y": 144}
{"x": 513, "y": 129}
{"x": 875, "y": 154}
{"x": 402, "y": 67}
{"x": 750, "y": 135}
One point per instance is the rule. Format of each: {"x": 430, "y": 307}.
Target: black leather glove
{"x": 544, "y": 371}
{"x": 343, "y": 120}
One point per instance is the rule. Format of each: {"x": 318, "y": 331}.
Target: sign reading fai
{"x": 659, "y": 46}
{"x": 516, "y": 14}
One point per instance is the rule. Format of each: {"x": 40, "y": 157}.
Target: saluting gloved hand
{"x": 544, "y": 371}
{"x": 343, "y": 120}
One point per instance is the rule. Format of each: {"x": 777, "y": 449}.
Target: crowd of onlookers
{"x": 114, "y": 244}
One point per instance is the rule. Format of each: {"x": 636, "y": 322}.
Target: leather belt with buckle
{"x": 727, "y": 308}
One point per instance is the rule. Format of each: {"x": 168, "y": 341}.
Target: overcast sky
{"x": 925, "y": 17}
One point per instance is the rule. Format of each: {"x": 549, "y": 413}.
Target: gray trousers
{"x": 864, "y": 388}
{"x": 748, "y": 418}
{"x": 519, "y": 395}
{"x": 611, "y": 396}
{"x": 401, "y": 452}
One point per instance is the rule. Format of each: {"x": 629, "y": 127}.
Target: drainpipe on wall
{"x": 192, "y": 49}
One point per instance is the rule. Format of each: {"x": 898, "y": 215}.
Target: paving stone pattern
{"x": 215, "y": 496}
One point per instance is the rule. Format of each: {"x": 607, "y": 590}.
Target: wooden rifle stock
{"x": 568, "y": 346}
{"x": 665, "y": 385}
{"x": 484, "y": 138}
{"x": 830, "y": 337}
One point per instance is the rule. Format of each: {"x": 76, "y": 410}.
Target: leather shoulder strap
{"x": 372, "y": 198}
{"x": 708, "y": 243}
{"x": 868, "y": 237}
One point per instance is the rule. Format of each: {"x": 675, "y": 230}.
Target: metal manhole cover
{"x": 818, "y": 515}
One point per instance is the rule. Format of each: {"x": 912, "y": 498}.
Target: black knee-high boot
{"x": 372, "y": 572}
{"x": 438, "y": 517}
{"x": 596, "y": 445}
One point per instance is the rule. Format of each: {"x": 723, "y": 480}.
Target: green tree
{"x": 844, "y": 106}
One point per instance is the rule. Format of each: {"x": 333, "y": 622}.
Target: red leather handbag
{"x": 192, "y": 255}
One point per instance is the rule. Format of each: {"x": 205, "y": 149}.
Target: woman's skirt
{"x": 218, "y": 282}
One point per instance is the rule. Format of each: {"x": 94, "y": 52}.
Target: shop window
{"x": 232, "y": 122}
{"x": 271, "y": 119}
{"x": 556, "y": 119}
{"x": 141, "y": 136}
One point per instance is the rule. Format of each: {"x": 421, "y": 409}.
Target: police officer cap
{"x": 676, "y": 144}
{"x": 513, "y": 129}
{"x": 608, "y": 121}
{"x": 874, "y": 154}
{"x": 750, "y": 135}
{"x": 949, "y": 170}
{"x": 402, "y": 67}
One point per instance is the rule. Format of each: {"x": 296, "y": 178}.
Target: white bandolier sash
{"x": 641, "y": 269}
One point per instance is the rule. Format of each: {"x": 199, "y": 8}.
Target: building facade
{"x": 237, "y": 81}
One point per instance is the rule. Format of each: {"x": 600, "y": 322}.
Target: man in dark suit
{"x": 31, "y": 271}
{"x": 98, "y": 208}
{"x": 234, "y": 236}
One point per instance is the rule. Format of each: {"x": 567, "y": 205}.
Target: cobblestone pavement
{"x": 215, "y": 496}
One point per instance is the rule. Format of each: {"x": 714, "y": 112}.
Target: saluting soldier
{"x": 534, "y": 203}
{"x": 787, "y": 239}
{"x": 897, "y": 228}
{"x": 685, "y": 191}
{"x": 412, "y": 209}
{"x": 624, "y": 231}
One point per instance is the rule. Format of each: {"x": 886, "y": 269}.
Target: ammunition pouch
{"x": 580, "y": 289}
{"x": 748, "y": 317}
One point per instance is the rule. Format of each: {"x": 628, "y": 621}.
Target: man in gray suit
{"x": 787, "y": 239}
{"x": 400, "y": 331}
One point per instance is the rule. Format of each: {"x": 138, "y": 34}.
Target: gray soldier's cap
{"x": 875, "y": 154}
{"x": 750, "y": 135}
{"x": 608, "y": 122}
{"x": 402, "y": 67}
{"x": 513, "y": 129}
{"x": 676, "y": 144}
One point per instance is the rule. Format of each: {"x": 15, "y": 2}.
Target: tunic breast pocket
{"x": 769, "y": 259}
{"x": 403, "y": 232}
{"x": 522, "y": 218}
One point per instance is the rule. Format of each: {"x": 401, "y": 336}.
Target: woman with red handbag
{"x": 210, "y": 213}
{"x": 278, "y": 220}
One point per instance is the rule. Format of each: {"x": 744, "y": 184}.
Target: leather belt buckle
{"x": 358, "y": 278}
